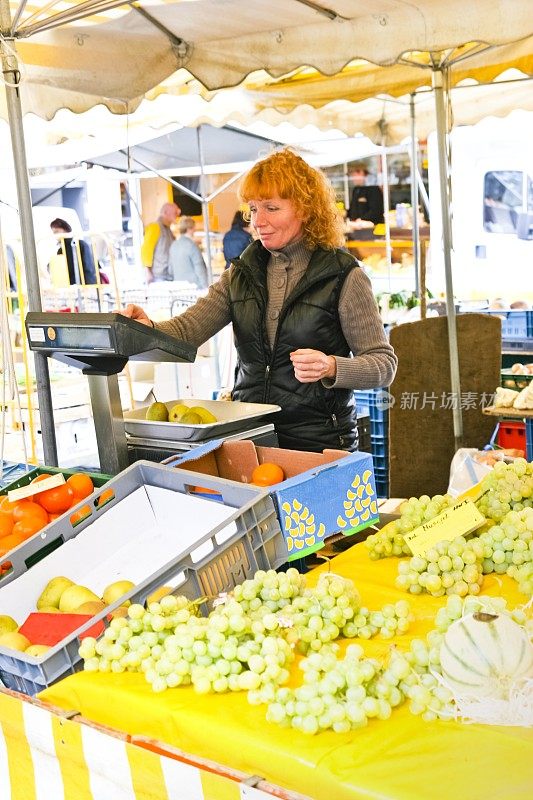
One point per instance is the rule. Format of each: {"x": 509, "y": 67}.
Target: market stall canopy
{"x": 179, "y": 150}
{"x": 106, "y": 51}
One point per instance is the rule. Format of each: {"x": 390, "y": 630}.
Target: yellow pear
{"x": 91, "y": 607}
{"x": 7, "y": 624}
{"x": 74, "y": 596}
{"x": 53, "y": 591}
{"x": 49, "y": 610}
{"x": 116, "y": 590}
{"x": 206, "y": 416}
{"x": 14, "y": 641}
{"x": 37, "y": 650}
{"x": 158, "y": 593}
{"x": 190, "y": 418}
{"x": 177, "y": 411}
{"x": 121, "y": 611}
{"x": 157, "y": 412}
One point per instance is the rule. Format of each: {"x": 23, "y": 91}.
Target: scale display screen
{"x": 71, "y": 337}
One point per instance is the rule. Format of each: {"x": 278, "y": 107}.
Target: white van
{"x": 492, "y": 211}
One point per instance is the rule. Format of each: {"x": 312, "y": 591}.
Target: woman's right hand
{"x": 137, "y": 313}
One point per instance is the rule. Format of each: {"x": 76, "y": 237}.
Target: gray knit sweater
{"x": 373, "y": 363}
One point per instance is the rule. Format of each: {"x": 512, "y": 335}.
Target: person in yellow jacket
{"x": 156, "y": 244}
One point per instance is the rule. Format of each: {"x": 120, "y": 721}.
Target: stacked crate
{"x": 369, "y": 402}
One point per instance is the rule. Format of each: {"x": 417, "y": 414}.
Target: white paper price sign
{"x": 458, "y": 520}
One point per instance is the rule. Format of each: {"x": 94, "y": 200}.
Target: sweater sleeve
{"x": 151, "y": 235}
{"x": 374, "y": 361}
{"x": 205, "y": 318}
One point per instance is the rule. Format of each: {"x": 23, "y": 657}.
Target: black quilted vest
{"x": 312, "y": 417}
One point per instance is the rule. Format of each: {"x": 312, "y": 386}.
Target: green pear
{"x": 190, "y": 418}
{"x": 74, "y": 596}
{"x": 206, "y": 416}
{"x": 176, "y": 411}
{"x": 53, "y": 591}
{"x": 157, "y": 412}
{"x": 7, "y": 624}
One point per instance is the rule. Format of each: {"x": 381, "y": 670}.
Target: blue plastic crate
{"x": 381, "y": 463}
{"x": 382, "y": 488}
{"x": 379, "y": 445}
{"x": 529, "y": 439}
{"x": 516, "y": 323}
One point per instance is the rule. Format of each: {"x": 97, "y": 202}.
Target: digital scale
{"x": 100, "y": 345}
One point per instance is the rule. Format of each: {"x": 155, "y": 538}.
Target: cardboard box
{"x": 323, "y": 493}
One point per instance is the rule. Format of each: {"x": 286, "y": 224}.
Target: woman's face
{"x": 275, "y": 221}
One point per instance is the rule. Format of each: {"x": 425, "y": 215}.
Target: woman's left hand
{"x": 312, "y": 365}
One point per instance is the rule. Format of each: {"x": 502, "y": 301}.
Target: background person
{"x": 84, "y": 273}
{"x": 305, "y": 321}
{"x": 237, "y": 239}
{"x": 366, "y": 205}
{"x": 186, "y": 262}
{"x": 155, "y": 248}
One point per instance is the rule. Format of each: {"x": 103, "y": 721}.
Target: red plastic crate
{"x": 512, "y": 433}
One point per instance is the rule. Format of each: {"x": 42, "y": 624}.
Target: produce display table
{"x": 516, "y": 413}
{"x": 398, "y": 759}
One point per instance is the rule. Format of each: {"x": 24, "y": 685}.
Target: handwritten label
{"x": 458, "y": 520}
{"x": 34, "y": 488}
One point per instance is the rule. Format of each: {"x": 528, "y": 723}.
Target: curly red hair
{"x": 285, "y": 174}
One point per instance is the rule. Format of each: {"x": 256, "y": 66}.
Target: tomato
{"x": 25, "y": 508}
{"x": 81, "y": 484}
{"x": 56, "y": 500}
{"x": 267, "y": 474}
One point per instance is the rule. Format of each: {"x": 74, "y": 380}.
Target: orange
{"x": 26, "y": 528}
{"x": 6, "y": 508}
{"x": 80, "y": 514}
{"x": 56, "y": 500}
{"x": 8, "y": 543}
{"x": 267, "y": 474}
{"x": 6, "y": 525}
{"x": 26, "y": 508}
{"x": 81, "y": 484}
{"x": 105, "y": 497}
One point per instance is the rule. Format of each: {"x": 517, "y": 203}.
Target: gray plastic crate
{"x": 257, "y": 544}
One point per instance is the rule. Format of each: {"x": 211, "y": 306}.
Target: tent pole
{"x": 205, "y": 213}
{"x": 414, "y": 195}
{"x": 386, "y": 205}
{"x": 11, "y": 74}
{"x": 438, "y": 88}
{"x": 205, "y": 205}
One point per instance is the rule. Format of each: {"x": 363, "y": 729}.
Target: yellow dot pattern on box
{"x": 361, "y": 503}
{"x": 301, "y": 529}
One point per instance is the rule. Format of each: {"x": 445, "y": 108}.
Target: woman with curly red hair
{"x": 306, "y": 325}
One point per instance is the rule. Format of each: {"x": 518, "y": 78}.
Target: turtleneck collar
{"x": 296, "y": 250}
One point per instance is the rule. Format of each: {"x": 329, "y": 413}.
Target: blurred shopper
{"x": 366, "y": 206}
{"x": 186, "y": 262}
{"x": 72, "y": 248}
{"x": 155, "y": 248}
{"x": 237, "y": 238}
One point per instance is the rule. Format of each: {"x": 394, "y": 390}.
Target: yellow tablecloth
{"x": 403, "y": 758}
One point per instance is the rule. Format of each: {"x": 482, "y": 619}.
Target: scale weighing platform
{"x": 101, "y": 345}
